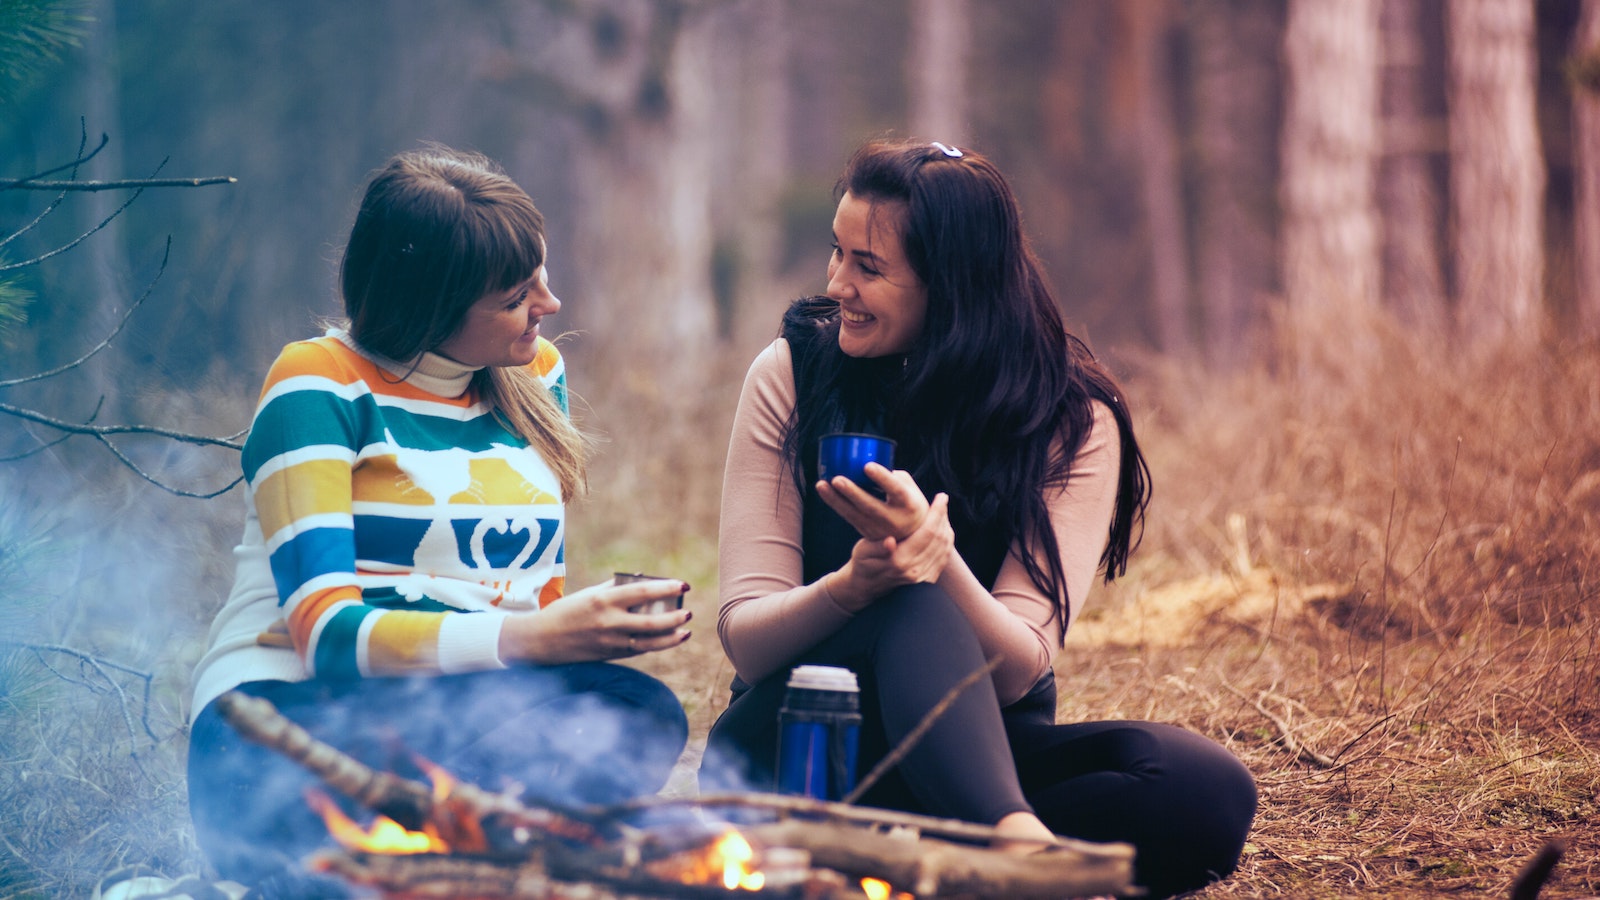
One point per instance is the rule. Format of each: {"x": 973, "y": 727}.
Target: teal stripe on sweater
{"x": 309, "y": 418}
{"x": 336, "y": 646}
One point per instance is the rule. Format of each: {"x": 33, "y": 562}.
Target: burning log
{"x": 499, "y": 847}
{"x": 458, "y": 812}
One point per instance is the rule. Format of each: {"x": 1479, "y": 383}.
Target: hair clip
{"x": 951, "y": 152}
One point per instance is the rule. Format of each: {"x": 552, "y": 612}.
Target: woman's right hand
{"x": 596, "y": 623}
{"x": 879, "y": 566}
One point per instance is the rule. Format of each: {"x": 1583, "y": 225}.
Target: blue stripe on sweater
{"x": 394, "y": 541}
{"x": 310, "y": 554}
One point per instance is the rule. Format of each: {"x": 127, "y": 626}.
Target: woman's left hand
{"x": 879, "y": 566}
{"x": 898, "y": 514}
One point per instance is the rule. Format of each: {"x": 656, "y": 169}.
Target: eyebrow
{"x": 864, "y": 254}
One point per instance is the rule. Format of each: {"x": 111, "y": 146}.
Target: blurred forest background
{"x": 1346, "y": 254}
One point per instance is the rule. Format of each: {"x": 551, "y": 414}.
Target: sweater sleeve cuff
{"x": 470, "y": 642}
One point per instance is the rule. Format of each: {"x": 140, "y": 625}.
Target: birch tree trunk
{"x": 1329, "y": 156}
{"x": 1147, "y": 26}
{"x": 1586, "y": 166}
{"x": 1413, "y": 141}
{"x": 1234, "y": 53}
{"x": 1497, "y": 175}
{"x": 936, "y": 69}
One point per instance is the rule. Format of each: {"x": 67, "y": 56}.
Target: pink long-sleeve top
{"x": 767, "y": 616}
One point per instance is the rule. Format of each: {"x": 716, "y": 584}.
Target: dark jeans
{"x": 1184, "y": 802}
{"x": 587, "y": 733}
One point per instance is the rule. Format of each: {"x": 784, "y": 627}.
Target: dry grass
{"x": 1377, "y": 587}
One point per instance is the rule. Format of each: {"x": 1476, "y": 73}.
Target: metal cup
{"x": 660, "y": 604}
{"x": 847, "y": 454}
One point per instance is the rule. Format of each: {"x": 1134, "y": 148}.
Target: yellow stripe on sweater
{"x": 310, "y": 488}
{"x": 401, "y": 642}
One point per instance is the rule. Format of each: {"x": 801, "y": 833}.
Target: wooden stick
{"x": 913, "y": 736}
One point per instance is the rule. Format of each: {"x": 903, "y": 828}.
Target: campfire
{"x": 453, "y": 839}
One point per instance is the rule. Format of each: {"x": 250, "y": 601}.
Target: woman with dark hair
{"x": 401, "y": 585}
{"x": 939, "y": 331}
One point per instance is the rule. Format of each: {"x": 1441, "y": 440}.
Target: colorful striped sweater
{"x": 398, "y": 519}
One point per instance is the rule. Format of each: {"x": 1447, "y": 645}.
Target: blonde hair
{"x": 526, "y": 407}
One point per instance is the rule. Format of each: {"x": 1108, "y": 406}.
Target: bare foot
{"x": 1022, "y": 833}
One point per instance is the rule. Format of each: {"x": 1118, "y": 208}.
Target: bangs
{"x": 507, "y": 244}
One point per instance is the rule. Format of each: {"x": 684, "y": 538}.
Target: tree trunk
{"x": 754, "y": 122}
{"x": 1147, "y": 28}
{"x": 1329, "y": 157}
{"x": 632, "y": 77}
{"x": 936, "y": 69}
{"x": 1413, "y": 146}
{"x": 1586, "y": 166}
{"x": 1234, "y": 51}
{"x": 1497, "y": 175}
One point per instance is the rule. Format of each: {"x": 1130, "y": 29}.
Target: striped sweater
{"x": 398, "y": 518}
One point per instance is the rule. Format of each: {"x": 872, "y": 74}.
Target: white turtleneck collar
{"x": 431, "y": 372}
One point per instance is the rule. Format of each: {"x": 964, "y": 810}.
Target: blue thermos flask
{"x": 819, "y": 730}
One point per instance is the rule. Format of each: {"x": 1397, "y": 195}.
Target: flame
{"x": 384, "y": 835}
{"x": 881, "y": 890}
{"x": 736, "y": 855}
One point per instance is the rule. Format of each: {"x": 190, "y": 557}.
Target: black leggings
{"x": 1181, "y": 800}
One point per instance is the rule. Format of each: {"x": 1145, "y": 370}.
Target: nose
{"x": 544, "y": 302}
{"x": 839, "y": 284}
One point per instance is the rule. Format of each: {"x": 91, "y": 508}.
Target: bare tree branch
{"x": 106, "y": 342}
{"x": 35, "y": 451}
{"x": 161, "y": 484}
{"x": 83, "y": 140}
{"x": 76, "y": 241}
{"x": 80, "y": 159}
{"x": 231, "y": 442}
{"x": 101, "y": 668}
{"x": 102, "y": 433}
{"x": 24, "y": 184}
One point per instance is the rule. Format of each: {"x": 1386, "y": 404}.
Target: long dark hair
{"x": 438, "y": 229}
{"x": 994, "y": 379}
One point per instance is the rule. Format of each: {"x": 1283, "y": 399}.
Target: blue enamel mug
{"x": 847, "y": 454}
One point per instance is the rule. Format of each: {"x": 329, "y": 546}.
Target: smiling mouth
{"x": 854, "y": 318}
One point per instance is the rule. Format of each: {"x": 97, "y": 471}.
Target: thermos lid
{"x": 823, "y": 678}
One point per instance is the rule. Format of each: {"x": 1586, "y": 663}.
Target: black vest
{"x": 867, "y": 388}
